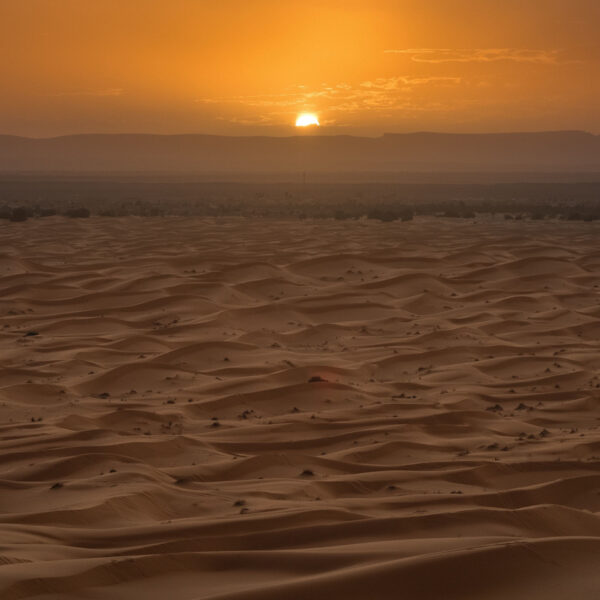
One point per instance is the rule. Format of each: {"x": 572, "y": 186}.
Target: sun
{"x": 306, "y": 119}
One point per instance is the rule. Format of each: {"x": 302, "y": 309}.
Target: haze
{"x": 247, "y": 68}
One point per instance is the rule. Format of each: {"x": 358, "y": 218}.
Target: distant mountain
{"x": 417, "y": 152}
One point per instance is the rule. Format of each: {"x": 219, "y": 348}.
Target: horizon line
{"x": 312, "y": 134}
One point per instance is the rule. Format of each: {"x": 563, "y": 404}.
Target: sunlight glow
{"x": 306, "y": 119}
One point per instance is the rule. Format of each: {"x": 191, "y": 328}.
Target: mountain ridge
{"x": 199, "y": 153}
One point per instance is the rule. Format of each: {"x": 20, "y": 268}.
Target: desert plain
{"x": 245, "y": 409}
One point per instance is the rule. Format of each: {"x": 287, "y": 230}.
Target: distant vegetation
{"x": 37, "y": 197}
{"x": 22, "y": 213}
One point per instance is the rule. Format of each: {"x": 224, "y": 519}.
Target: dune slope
{"x": 236, "y": 409}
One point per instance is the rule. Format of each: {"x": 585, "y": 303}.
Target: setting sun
{"x": 306, "y": 119}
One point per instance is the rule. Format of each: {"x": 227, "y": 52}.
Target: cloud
{"x": 257, "y": 120}
{"x": 483, "y": 55}
{"x": 395, "y": 83}
{"x": 109, "y": 92}
{"x": 392, "y": 93}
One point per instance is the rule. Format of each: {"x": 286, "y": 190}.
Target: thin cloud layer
{"x": 464, "y": 55}
{"x": 390, "y": 93}
{"x": 109, "y": 92}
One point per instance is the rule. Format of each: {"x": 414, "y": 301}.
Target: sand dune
{"x": 234, "y": 410}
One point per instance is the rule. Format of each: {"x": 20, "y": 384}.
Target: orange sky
{"x": 250, "y": 66}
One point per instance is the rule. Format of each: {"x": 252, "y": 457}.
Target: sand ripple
{"x": 237, "y": 409}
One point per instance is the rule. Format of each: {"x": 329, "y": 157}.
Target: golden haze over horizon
{"x": 247, "y": 68}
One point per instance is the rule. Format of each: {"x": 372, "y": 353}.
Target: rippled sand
{"x": 249, "y": 410}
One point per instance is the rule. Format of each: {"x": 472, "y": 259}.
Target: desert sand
{"x": 242, "y": 410}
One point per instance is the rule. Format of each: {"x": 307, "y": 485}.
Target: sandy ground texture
{"x": 243, "y": 410}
